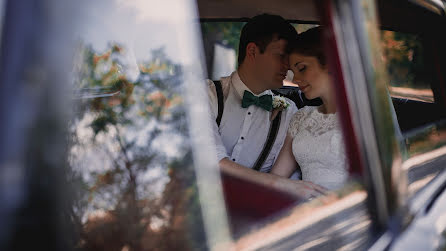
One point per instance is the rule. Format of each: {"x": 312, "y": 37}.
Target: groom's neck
{"x": 250, "y": 79}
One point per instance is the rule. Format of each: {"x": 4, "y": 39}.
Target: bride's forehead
{"x": 297, "y": 58}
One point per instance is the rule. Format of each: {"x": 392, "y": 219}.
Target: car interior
{"x": 306, "y": 12}
{"x": 413, "y": 111}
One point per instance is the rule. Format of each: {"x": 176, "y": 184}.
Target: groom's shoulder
{"x": 223, "y": 82}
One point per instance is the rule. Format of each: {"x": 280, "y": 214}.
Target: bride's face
{"x": 313, "y": 78}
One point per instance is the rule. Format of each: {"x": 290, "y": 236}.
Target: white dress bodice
{"x": 318, "y": 147}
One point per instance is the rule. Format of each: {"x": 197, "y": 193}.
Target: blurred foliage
{"x": 404, "y": 56}
{"x": 118, "y": 147}
{"x": 226, "y": 33}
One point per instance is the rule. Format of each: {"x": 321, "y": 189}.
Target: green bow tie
{"x": 264, "y": 101}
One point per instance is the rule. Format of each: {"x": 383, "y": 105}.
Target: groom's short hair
{"x": 261, "y": 30}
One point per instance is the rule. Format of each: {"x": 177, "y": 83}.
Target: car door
{"x": 418, "y": 98}
{"x": 96, "y": 148}
{"x": 103, "y": 145}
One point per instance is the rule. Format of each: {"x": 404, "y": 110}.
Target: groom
{"x": 248, "y": 132}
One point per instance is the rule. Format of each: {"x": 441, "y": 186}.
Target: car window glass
{"x": 413, "y": 80}
{"x": 220, "y": 41}
{"x": 409, "y": 76}
{"x": 130, "y": 153}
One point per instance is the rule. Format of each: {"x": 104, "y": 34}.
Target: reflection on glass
{"x": 424, "y": 147}
{"x": 125, "y": 152}
{"x": 426, "y": 139}
{"x": 408, "y": 74}
{"x": 420, "y": 119}
{"x": 130, "y": 153}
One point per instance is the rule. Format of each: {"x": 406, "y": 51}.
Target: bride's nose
{"x": 296, "y": 79}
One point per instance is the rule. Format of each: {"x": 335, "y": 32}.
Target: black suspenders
{"x": 221, "y": 102}
{"x": 274, "y": 128}
{"x": 272, "y": 134}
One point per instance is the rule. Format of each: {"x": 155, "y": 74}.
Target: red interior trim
{"x": 334, "y": 64}
{"x": 248, "y": 203}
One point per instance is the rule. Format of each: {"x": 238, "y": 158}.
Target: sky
{"x": 142, "y": 25}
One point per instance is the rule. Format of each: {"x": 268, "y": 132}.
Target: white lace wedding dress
{"x": 318, "y": 147}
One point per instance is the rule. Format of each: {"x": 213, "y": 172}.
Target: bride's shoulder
{"x": 304, "y": 111}
{"x": 299, "y": 117}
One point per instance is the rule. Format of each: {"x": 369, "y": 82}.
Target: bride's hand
{"x": 303, "y": 189}
{"x": 319, "y": 189}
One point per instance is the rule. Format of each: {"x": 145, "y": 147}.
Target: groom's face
{"x": 272, "y": 65}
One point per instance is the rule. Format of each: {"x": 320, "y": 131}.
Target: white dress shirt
{"x": 243, "y": 131}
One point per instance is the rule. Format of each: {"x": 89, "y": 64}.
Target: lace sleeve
{"x": 294, "y": 122}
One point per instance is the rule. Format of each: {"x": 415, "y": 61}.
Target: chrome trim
{"x": 437, "y": 6}
{"x": 428, "y": 227}
{"x": 369, "y": 106}
{"x": 428, "y": 192}
{"x": 355, "y": 83}
{"x": 298, "y": 231}
{"x": 383, "y": 242}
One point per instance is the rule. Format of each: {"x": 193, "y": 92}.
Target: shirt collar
{"x": 240, "y": 87}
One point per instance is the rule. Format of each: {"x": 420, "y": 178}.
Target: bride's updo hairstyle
{"x": 309, "y": 43}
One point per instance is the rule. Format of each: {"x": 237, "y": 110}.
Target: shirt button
{"x": 233, "y": 159}
{"x": 242, "y": 138}
{"x": 249, "y": 113}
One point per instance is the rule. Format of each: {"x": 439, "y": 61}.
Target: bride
{"x": 314, "y": 141}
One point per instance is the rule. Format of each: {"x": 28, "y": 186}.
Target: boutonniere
{"x": 279, "y": 104}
